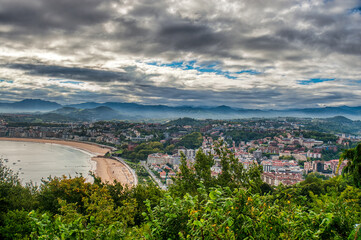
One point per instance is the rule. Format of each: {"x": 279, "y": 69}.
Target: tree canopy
{"x": 234, "y": 205}
{"x": 353, "y": 167}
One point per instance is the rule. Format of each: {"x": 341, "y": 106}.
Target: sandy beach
{"x": 107, "y": 169}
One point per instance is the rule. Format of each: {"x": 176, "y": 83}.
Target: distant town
{"x": 287, "y": 149}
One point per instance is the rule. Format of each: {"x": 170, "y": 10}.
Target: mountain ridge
{"x": 33, "y": 104}
{"x": 121, "y": 110}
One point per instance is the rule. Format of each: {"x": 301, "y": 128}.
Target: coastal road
{"x": 155, "y": 178}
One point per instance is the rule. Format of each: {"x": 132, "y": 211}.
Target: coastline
{"x": 105, "y": 168}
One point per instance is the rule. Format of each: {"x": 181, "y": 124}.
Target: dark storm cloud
{"x": 319, "y": 20}
{"x": 293, "y": 39}
{"x": 188, "y": 36}
{"x": 165, "y": 33}
{"x": 329, "y": 41}
{"x": 281, "y": 97}
{"x": 44, "y": 15}
{"x": 209, "y": 96}
{"x": 149, "y": 28}
{"x": 83, "y": 74}
{"x": 266, "y": 43}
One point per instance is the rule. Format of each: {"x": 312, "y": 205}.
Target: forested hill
{"x": 135, "y": 111}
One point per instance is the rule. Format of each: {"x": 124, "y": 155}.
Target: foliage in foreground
{"x": 228, "y": 207}
{"x": 239, "y": 214}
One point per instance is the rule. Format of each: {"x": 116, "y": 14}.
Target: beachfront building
{"x": 162, "y": 158}
{"x": 325, "y": 167}
{"x": 275, "y": 179}
{"x": 159, "y": 159}
{"x": 189, "y": 153}
{"x": 313, "y": 154}
{"x": 281, "y": 166}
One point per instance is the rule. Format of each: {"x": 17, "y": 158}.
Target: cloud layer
{"x": 250, "y": 53}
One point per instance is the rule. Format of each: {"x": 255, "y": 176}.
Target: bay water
{"x": 34, "y": 161}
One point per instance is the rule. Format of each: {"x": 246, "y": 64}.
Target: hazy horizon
{"x": 175, "y": 106}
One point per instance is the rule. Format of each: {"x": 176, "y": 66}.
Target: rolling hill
{"x": 92, "y": 111}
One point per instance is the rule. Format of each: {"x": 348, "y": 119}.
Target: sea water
{"x": 37, "y": 161}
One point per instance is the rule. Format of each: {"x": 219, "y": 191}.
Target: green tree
{"x": 72, "y": 190}
{"x": 202, "y": 167}
{"x": 233, "y": 173}
{"x": 353, "y": 167}
{"x": 13, "y": 196}
{"x": 16, "y": 225}
{"x": 191, "y": 141}
{"x": 186, "y": 180}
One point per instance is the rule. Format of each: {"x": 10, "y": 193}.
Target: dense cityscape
{"x": 285, "y": 148}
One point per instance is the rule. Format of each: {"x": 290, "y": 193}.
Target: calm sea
{"x": 34, "y": 161}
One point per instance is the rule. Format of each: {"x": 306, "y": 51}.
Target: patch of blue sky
{"x": 250, "y": 71}
{"x": 355, "y": 10}
{"x": 72, "y": 82}
{"x": 7, "y": 81}
{"x": 314, "y": 80}
{"x": 62, "y": 80}
{"x": 152, "y": 63}
{"x": 208, "y": 67}
{"x": 354, "y": 83}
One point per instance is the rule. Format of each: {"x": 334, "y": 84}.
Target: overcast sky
{"x": 251, "y": 53}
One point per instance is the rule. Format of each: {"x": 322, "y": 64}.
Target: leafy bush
{"x": 235, "y": 205}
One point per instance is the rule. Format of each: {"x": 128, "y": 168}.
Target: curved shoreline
{"x": 107, "y": 169}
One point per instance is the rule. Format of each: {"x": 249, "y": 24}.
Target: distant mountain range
{"x": 92, "y": 111}
{"x": 93, "y": 114}
{"x": 29, "y": 105}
